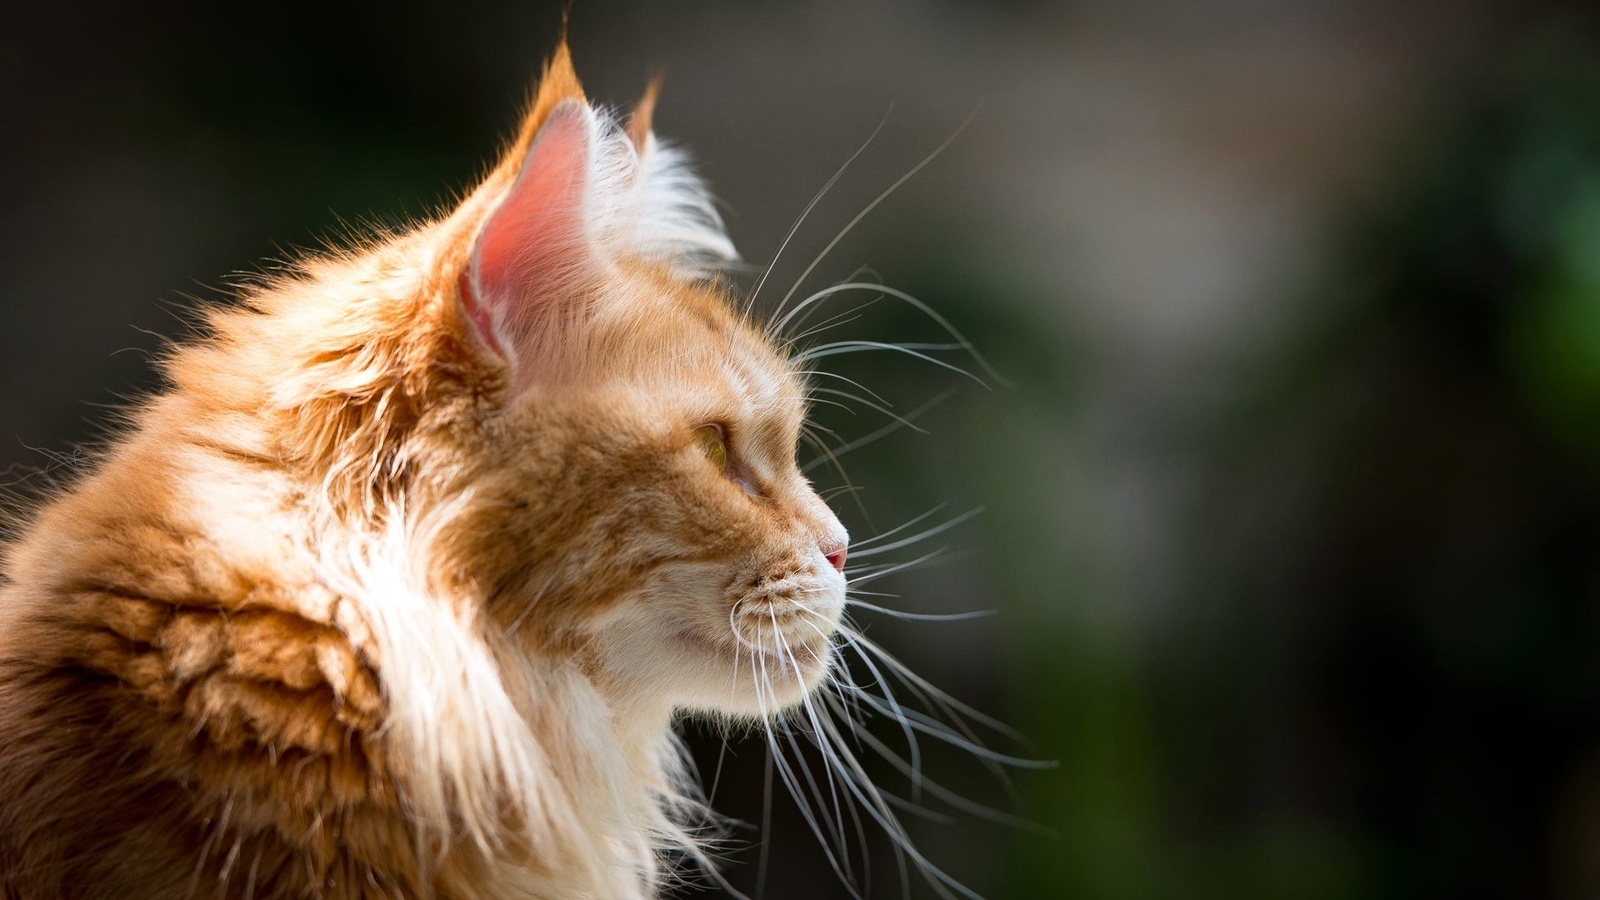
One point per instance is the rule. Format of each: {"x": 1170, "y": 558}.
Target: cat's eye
{"x": 713, "y": 439}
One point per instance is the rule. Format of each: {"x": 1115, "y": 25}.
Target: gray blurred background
{"x": 1290, "y": 514}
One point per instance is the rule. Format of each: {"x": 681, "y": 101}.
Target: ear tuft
{"x": 639, "y": 121}
{"x": 559, "y": 83}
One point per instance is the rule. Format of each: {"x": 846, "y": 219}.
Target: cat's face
{"x": 735, "y": 609}
{"x": 644, "y": 508}
{"x": 677, "y": 543}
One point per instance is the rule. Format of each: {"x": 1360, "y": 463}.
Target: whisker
{"x": 938, "y": 790}
{"x": 807, "y": 373}
{"x": 865, "y": 211}
{"x": 844, "y": 406}
{"x": 840, "y": 347}
{"x": 722, "y": 754}
{"x": 865, "y": 542}
{"x": 808, "y": 433}
{"x": 890, "y": 569}
{"x": 816, "y": 298}
{"x": 834, "y": 321}
{"x": 784, "y": 653}
{"x": 799, "y": 220}
{"x": 855, "y": 594}
{"x": 920, "y": 536}
{"x": 792, "y": 784}
{"x": 880, "y": 433}
{"x": 927, "y": 725}
{"x": 873, "y": 802}
{"x": 888, "y": 696}
{"x": 953, "y": 710}
{"x": 932, "y": 695}
{"x": 852, "y": 573}
{"x": 867, "y": 403}
{"x": 835, "y": 773}
{"x": 925, "y": 309}
{"x": 925, "y": 617}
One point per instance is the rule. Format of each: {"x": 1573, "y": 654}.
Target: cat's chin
{"x": 664, "y": 655}
{"x": 742, "y": 679}
{"x": 694, "y": 671}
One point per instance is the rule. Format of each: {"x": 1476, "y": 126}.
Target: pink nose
{"x": 836, "y": 557}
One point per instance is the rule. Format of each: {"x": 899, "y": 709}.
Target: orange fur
{"x": 559, "y": 82}
{"x": 348, "y": 613}
{"x": 639, "y": 122}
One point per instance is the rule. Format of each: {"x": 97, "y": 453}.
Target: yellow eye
{"x": 713, "y": 440}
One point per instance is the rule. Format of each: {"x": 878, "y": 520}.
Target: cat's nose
{"x": 835, "y": 554}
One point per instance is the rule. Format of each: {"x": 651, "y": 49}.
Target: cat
{"x": 398, "y": 587}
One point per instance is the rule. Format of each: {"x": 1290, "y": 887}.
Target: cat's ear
{"x": 535, "y": 241}
{"x": 577, "y": 193}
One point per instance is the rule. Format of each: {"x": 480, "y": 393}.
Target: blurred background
{"x": 1290, "y": 509}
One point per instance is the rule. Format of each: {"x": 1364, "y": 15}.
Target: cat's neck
{"x": 589, "y": 766}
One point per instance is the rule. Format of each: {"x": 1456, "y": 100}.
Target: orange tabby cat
{"x": 395, "y": 592}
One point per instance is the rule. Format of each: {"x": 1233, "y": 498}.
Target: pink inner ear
{"x": 536, "y": 240}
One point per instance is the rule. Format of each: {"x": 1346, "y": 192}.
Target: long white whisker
{"x": 841, "y": 347}
{"x": 880, "y": 433}
{"x": 799, "y": 220}
{"x": 858, "y": 575}
{"x": 868, "y": 209}
{"x": 792, "y": 783}
{"x": 844, "y": 406}
{"x": 833, "y": 321}
{"x": 807, "y": 373}
{"x": 836, "y": 822}
{"x": 867, "y": 403}
{"x": 932, "y": 695}
{"x": 785, "y": 655}
{"x": 876, "y": 806}
{"x": 938, "y": 790}
{"x": 924, "y": 617}
{"x": 867, "y": 542}
{"x": 884, "y": 290}
{"x": 821, "y": 350}
{"x": 953, "y": 710}
{"x": 817, "y": 818}
{"x": 855, "y": 593}
{"x": 895, "y": 712}
{"x": 924, "y": 724}
{"x": 814, "y": 299}
{"x": 837, "y": 674}
{"x": 892, "y": 568}
{"x": 920, "y": 536}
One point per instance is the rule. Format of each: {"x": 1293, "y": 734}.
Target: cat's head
{"x": 620, "y": 440}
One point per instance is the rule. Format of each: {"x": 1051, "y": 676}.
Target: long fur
{"x": 343, "y": 614}
{"x": 384, "y": 598}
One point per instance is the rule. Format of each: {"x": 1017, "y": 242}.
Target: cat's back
{"x": 77, "y": 819}
{"x": 79, "y": 816}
